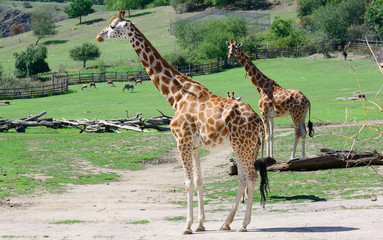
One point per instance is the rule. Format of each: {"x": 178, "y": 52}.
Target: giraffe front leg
{"x": 198, "y": 184}
{"x": 187, "y": 163}
{"x": 189, "y": 219}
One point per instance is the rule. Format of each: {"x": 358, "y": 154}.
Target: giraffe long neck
{"x": 259, "y": 80}
{"x": 166, "y": 78}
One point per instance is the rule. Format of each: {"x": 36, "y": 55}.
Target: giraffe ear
{"x": 121, "y": 14}
{"x": 239, "y": 45}
{"x": 227, "y": 43}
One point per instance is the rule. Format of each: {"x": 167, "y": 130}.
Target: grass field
{"x": 71, "y": 34}
{"x": 48, "y": 160}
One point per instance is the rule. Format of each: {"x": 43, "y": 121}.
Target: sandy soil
{"x": 106, "y": 210}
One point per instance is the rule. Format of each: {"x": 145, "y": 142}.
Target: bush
{"x": 205, "y": 40}
{"x": 31, "y": 62}
{"x": 374, "y": 17}
{"x": 334, "y": 18}
{"x": 16, "y": 29}
{"x": 284, "y": 34}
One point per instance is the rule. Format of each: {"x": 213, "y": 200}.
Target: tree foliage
{"x": 16, "y": 29}
{"x": 42, "y": 24}
{"x": 79, "y": 8}
{"x": 283, "y": 33}
{"x": 374, "y": 17}
{"x": 85, "y": 52}
{"x": 1, "y": 71}
{"x": 206, "y": 39}
{"x": 336, "y": 17}
{"x": 123, "y": 4}
{"x": 31, "y": 62}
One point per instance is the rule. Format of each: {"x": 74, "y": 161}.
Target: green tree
{"x": 205, "y": 40}
{"x": 123, "y": 4}
{"x": 79, "y": 8}
{"x": 283, "y": 33}
{"x": 374, "y": 17}
{"x": 31, "y": 62}
{"x": 42, "y": 24}
{"x": 335, "y": 18}
{"x": 85, "y": 52}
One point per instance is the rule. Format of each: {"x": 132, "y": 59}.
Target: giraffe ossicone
{"x": 201, "y": 120}
{"x": 275, "y": 101}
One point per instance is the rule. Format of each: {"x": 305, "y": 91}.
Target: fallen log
{"x": 330, "y": 159}
{"x": 137, "y": 123}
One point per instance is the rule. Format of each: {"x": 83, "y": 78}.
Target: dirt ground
{"x": 107, "y": 209}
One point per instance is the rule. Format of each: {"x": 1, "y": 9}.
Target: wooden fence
{"x": 60, "y": 82}
{"x": 57, "y": 86}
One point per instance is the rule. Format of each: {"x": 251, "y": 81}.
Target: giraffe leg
{"x": 303, "y": 133}
{"x": 241, "y": 187}
{"x": 298, "y": 133}
{"x": 251, "y": 177}
{"x": 186, "y": 158}
{"x": 197, "y": 176}
{"x": 266, "y": 123}
{"x": 271, "y": 136}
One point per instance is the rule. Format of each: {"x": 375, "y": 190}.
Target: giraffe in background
{"x": 201, "y": 120}
{"x": 275, "y": 101}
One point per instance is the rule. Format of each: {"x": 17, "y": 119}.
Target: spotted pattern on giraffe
{"x": 275, "y": 101}
{"x": 201, "y": 120}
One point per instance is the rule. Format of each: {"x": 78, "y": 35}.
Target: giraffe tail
{"x": 310, "y": 124}
{"x": 264, "y": 186}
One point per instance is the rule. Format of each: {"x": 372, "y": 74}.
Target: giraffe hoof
{"x": 225, "y": 228}
{"x": 241, "y": 229}
{"x": 200, "y": 229}
{"x": 188, "y": 231}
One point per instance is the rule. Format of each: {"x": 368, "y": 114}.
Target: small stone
{"x": 374, "y": 198}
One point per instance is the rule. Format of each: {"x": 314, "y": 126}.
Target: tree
{"x": 42, "y": 24}
{"x": 123, "y": 4}
{"x": 31, "y": 62}
{"x": 374, "y": 17}
{"x": 79, "y": 8}
{"x": 335, "y": 17}
{"x": 85, "y": 52}
{"x": 284, "y": 34}
{"x": 205, "y": 40}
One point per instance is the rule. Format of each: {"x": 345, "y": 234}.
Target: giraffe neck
{"x": 259, "y": 80}
{"x": 171, "y": 83}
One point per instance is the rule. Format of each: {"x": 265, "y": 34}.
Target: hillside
{"x": 154, "y": 23}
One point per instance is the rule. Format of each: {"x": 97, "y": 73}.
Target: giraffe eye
{"x": 112, "y": 27}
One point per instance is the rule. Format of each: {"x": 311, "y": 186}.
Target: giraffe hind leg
{"x": 198, "y": 184}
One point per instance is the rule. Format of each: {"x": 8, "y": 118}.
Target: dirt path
{"x": 147, "y": 195}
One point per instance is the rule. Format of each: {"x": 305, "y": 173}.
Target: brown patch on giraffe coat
{"x": 165, "y": 80}
{"x": 167, "y": 73}
{"x": 145, "y": 57}
{"x": 151, "y": 59}
{"x": 158, "y": 67}
{"x": 165, "y": 90}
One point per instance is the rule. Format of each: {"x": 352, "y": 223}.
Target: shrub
{"x": 16, "y": 29}
{"x": 374, "y": 17}
{"x": 31, "y": 62}
{"x": 205, "y": 40}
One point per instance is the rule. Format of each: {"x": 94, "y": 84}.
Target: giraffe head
{"x": 117, "y": 28}
{"x": 233, "y": 48}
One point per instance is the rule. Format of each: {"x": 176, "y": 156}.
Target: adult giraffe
{"x": 275, "y": 101}
{"x": 201, "y": 120}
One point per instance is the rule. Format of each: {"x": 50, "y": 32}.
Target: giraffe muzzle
{"x": 99, "y": 38}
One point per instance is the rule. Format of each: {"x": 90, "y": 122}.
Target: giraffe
{"x": 275, "y": 101}
{"x": 201, "y": 120}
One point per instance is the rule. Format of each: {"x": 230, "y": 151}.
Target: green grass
{"x": 68, "y": 222}
{"x": 139, "y": 222}
{"x": 174, "y": 219}
{"x": 45, "y": 159}
{"x": 153, "y": 22}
